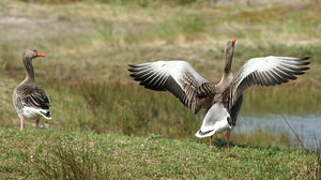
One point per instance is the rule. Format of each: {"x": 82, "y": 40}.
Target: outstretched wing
{"x": 177, "y": 77}
{"x": 268, "y": 71}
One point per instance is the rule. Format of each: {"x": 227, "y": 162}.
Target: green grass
{"x": 49, "y": 154}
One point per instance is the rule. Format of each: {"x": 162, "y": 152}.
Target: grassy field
{"x": 52, "y": 154}
{"x": 89, "y": 45}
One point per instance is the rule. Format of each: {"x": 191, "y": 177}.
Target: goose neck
{"x": 27, "y": 61}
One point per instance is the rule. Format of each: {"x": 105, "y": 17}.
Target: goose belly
{"x": 29, "y": 113}
{"x": 215, "y": 121}
{"x": 221, "y": 126}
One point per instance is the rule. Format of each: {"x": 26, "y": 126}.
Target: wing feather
{"x": 36, "y": 98}
{"x": 268, "y": 71}
{"x": 177, "y": 77}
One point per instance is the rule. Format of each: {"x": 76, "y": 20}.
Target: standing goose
{"x": 30, "y": 100}
{"x": 222, "y": 100}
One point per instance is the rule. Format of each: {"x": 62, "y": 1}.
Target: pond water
{"x": 308, "y": 127}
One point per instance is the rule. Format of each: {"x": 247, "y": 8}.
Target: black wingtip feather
{"x": 305, "y": 58}
{"x": 133, "y": 65}
{"x": 304, "y": 63}
{"x": 304, "y": 68}
{"x": 131, "y": 70}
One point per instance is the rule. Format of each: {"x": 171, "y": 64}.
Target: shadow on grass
{"x": 222, "y": 143}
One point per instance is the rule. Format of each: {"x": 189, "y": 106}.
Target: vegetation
{"x": 53, "y": 154}
{"x": 89, "y": 45}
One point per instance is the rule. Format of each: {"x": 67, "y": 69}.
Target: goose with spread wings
{"x": 221, "y": 100}
{"x": 29, "y": 99}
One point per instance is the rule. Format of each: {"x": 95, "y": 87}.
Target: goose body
{"x": 29, "y": 99}
{"x": 221, "y": 100}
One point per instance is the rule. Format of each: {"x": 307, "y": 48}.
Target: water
{"x": 308, "y": 127}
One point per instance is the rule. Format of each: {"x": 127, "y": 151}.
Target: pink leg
{"x": 228, "y": 135}
{"x": 210, "y": 140}
{"x": 22, "y": 123}
{"x": 37, "y": 123}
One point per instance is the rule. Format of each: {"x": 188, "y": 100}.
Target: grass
{"x": 85, "y": 155}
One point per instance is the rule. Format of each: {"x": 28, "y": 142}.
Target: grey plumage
{"x": 31, "y": 95}
{"x": 190, "y": 89}
{"x": 29, "y": 99}
{"x": 196, "y": 92}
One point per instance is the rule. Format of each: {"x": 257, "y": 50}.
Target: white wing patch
{"x": 177, "y": 77}
{"x": 175, "y": 69}
{"x": 276, "y": 68}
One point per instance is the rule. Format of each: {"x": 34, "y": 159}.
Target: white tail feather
{"x": 215, "y": 121}
{"x": 30, "y": 112}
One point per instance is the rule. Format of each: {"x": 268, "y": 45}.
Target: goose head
{"x": 28, "y": 55}
{"x": 229, "y": 50}
{"x": 33, "y": 53}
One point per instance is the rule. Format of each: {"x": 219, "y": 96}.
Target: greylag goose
{"x": 30, "y": 100}
{"x": 221, "y": 100}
